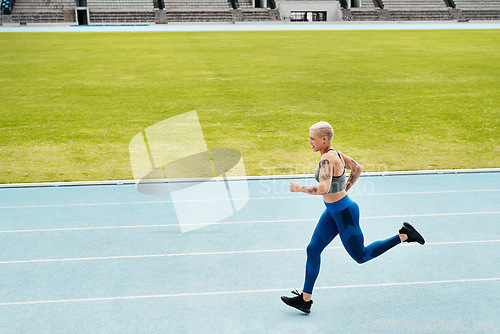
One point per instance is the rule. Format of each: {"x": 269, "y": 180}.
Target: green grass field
{"x": 398, "y": 100}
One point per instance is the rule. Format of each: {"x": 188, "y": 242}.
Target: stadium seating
{"x": 216, "y": 11}
{"x": 369, "y": 4}
{"x": 361, "y": 14}
{"x": 196, "y": 4}
{"x": 222, "y": 15}
{"x": 43, "y": 5}
{"x": 400, "y": 10}
{"x": 420, "y": 15}
{"x": 417, "y": 10}
{"x": 110, "y": 17}
{"x": 481, "y": 14}
{"x": 120, "y": 5}
{"x": 258, "y": 14}
{"x": 199, "y": 16}
{"x": 479, "y": 10}
{"x": 477, "y": 5}
{"x": 43, "y": 11}
{"x": 414, "y": 4}
{"x": 143, "y": 11}
{"x": 367, "y": 11}
{"x": 245, "y": 4}
{"x": 121, "y": 11}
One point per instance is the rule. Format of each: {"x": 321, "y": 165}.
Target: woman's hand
{"x": 311, "y": 190}
{"x": 294, "y": 187}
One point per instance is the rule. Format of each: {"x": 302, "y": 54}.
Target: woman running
{"x": 341, "y": 215}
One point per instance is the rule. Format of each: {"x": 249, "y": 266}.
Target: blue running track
{"x": 108, "y": 259}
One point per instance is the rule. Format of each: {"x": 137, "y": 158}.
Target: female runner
{"x": 341, "y": 215}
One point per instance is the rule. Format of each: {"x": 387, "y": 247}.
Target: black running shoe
{"x": 298, "y": 302}
{"x": 411, "y": 232}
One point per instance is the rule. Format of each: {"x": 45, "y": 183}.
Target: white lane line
{"x": 242, "y": 222}
{"x": 460, "y": 242}
{"x": 217, "y": 253}
{"x": 156, "y": 225}
{"x": 197, "y": 294}
{"x": 160, "y": 255}
{"x": 436, "y": 214}
{"x": 236, "y": 199}
{"x": 354, "y": 194}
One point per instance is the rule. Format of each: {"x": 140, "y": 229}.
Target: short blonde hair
{"x": 324, "y": 129}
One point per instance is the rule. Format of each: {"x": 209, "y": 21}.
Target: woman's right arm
{"x": 325, "y": 181}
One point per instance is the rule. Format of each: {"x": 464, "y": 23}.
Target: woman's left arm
{"x": 355, "y": 171}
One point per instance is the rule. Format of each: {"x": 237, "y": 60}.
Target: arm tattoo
{"x": 354, "y": 162}
{"x": 310, "y": 189}
{"x": 325, "y": 171}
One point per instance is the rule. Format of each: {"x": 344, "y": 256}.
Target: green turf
{"x": 398, "y": 100}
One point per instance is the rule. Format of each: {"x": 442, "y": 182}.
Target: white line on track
{"x": 216, "y": 253}
{"x": 242, "y": 222}
{"x": 198, "y": 294}
{"x": 234, "y": 199}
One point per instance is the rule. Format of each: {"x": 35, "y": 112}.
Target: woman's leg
{"x": 325, "y": 232}
{"x": 352, "y": 237}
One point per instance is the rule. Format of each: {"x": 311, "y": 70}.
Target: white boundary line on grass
{"x": 244, "y": 178}
{"x": 240, "y": 222}
{"x": 217, "y": 253}
{"x": 199, "y": 294}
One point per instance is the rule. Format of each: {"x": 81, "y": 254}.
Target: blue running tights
{"x": 341, "y": 217}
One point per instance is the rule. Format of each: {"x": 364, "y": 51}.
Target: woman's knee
{"x": 358, "y": 254}
{"x": 354, "y": 246}
{"x": 314, "y": 249}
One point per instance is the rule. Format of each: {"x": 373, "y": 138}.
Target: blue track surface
{"x": 108, "y": 259}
